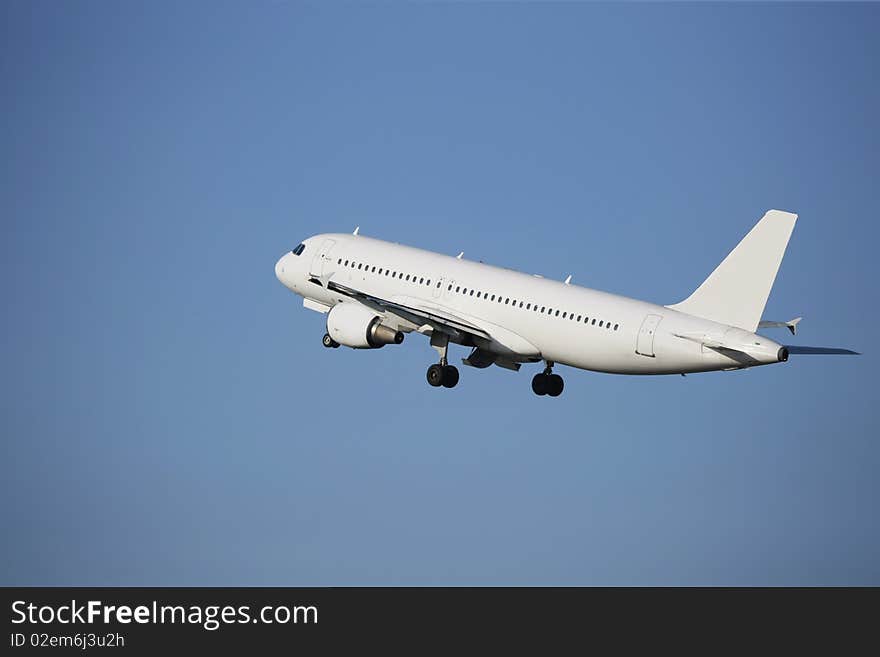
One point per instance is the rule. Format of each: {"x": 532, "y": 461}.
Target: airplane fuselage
{"x": 525, "y": 318}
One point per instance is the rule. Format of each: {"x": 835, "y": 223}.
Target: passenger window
{"x": 615, "y": 326}
{"x": 594, "y": 321}
{"x": 449, "y": 288}
{"x": 428, "y": 283}
{"x": 542, "y": 308}
{"x": 557, "y": 313}
{"x": 600, "y": 323}
{"x": 373, "y": 270}
{"x": 579, "y": 318}
{"x": 458, "y": 288}
{"x": 438, "y": 285}
{"x": 528, "y": 306}
{"x": 346, "y": 263}
{"x": 339, "y": 262}
{"x": 564, "y": 315}
{"x": 421, "y": 281}
{"x": 472, "y": 293}
{"x": 493, "y": 298}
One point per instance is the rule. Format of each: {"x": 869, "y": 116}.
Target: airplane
{"x": 374, "y": 292}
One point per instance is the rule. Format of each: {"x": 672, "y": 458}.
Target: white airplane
{"x": 373, "y": 292}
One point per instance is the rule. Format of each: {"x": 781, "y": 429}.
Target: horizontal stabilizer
{"x": 791, "y": 324}
{"x": 820, "y": 351}
{"x": 700, "y": 338}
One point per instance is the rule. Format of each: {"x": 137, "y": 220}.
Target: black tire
{"x": 329, "y": 342}
{"x": 450, "y": 376}
{"x": 555, "y": 384}
{"x": 539, "y": 384}
{"x": 435, "y": 375}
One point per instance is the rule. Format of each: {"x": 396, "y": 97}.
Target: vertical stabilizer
{"x": 737, "y": 291}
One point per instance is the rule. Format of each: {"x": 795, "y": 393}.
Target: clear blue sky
{"x": 170, "y": 417}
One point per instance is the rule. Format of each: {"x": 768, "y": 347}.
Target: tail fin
{"x": 736, "y": 292}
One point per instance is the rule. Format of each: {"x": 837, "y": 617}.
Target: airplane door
{"x": 645, "y": 343}
{"x": 438, "y": 289}
{"x": 321, "y": 258}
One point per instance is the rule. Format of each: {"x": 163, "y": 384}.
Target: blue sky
{"x": 170, "y": 417}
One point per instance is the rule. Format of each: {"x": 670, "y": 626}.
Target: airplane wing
{"x": 438, "y": 318}
{"x": 433, "y": 316}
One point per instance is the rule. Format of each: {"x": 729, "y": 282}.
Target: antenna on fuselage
{"x": 357, "y": 228}
{"x": 568, "y": 280}
{"x": 459, "y": 256}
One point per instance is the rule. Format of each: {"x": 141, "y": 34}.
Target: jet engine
{"x": 359, "y": 327}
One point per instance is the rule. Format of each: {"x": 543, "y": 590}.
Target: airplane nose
{"x": 279, "y": 268}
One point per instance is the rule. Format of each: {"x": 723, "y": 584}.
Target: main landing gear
{"x": 329, "y": 342}
{"x": 442, "y": 374}
{"x": 547, "y": 383}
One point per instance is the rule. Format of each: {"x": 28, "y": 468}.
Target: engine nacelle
{"x": 359, "y": 327}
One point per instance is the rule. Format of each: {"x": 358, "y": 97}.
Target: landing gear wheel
{"x": 329, "y": 342}
{"x": 435, "y": 375}
{"x": 450, "y": 376}
{"x": 555, "y": 384}
{"x": 539, "y": 384}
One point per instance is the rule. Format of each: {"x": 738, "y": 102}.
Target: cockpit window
{"x": 299, "y": 249}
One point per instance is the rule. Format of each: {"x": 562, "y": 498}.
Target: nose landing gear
{"x": 547, "y": 383}
{"x": 329, "y": 342}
